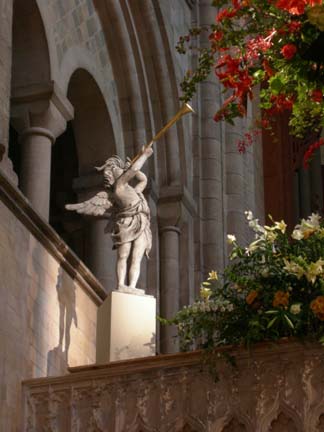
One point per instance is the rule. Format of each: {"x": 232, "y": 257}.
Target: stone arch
{"x": 145, "y": 81}
{"x": 30, "y": 59}
{"x": 281, "y": 414}
{"x": 91, "y": 124}
{"x": 283, "y": 422}
{"x": 127, "y": 71}
{"x": 78, "y": 58}
{"x": 87, "y": 142}
{"x": 161, "y": 88}
{"x": 234, "y": 426}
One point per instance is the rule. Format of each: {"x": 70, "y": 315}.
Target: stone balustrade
{"x": 274, "y": 388}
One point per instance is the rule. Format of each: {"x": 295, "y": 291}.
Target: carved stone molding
{"x": 40, "y": 105}
{"x": 273, "y": 389}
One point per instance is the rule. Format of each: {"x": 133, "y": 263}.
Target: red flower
{"x": 294, "y": 26}
{"x": 317, "y": 95}
{"x": 288, "y": 51}
{"x": 311, "y": 149}
{"x": 267, "y": 68}
{"x": 225, "y": 13}
{"x": 295, "y": 7}
{"x": 217, "y": 35}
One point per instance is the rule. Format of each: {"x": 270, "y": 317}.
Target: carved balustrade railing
{"x": 274, "y": 388}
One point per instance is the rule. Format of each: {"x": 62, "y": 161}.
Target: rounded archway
{"x": 91, "y": 124}
{"x": 87, "y": 142}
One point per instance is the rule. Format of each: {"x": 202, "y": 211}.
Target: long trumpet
{"x": 185, "y": 109}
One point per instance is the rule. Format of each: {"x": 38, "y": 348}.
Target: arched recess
{"x": 91, "y": 124}
{"x": 87, "y": 142}
{"x": 30, "y": 59}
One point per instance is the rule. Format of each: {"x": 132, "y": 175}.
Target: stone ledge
{"x": 47, "y": 236}
{"x": 178, "y": 360}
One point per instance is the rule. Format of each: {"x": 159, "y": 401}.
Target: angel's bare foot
{"x": 130, "y": 290}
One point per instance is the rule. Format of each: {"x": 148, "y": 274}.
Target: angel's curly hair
{"x": 111, "y": 163}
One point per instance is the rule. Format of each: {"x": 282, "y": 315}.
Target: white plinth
{"x": 126, "y": 327}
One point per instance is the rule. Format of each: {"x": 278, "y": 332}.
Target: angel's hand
{"x": 128, "y": 163}
{"x": 147, "y": 149}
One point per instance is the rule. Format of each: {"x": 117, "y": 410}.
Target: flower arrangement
{"x": 276, "y": 44}
{"x": 272, "y": 289}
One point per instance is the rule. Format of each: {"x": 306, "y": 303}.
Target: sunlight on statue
{"x": 128, "y": 212}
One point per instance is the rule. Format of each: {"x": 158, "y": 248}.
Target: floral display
{"x": 277, "y": 45}
{"x": 273, "y": 288}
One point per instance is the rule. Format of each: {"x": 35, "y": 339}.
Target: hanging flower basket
{"x": 277, "y": 44}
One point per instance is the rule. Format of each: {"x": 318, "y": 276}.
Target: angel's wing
{"x": 95, "y": 206}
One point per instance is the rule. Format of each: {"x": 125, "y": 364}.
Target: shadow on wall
{"x": 57, "y": 358}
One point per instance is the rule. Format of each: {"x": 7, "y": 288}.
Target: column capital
{"x": 42, "y": 105}
{"x": 174, "y": 205}
{"x": 169, "y": 228}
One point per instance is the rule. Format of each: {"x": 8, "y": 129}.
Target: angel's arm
{"x": 142, "y": 181}
{"x": 134, "y": 169}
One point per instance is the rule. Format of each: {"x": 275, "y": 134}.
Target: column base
{"x": 126, "y": 327}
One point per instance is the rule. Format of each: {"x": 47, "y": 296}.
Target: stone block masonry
{"x": 50, "y": 317}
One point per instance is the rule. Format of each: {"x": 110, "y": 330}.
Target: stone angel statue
{"x": 128, "y": 212}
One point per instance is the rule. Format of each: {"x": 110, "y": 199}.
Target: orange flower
{"x": 317, "y": 307}
{"x": 281, "y": 298}
{"x": 251, "y": 297}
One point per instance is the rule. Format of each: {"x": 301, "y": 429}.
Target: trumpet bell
{"x": 186, "y": 108}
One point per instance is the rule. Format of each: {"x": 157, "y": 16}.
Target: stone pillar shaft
{"x": 170, "y": 284}
{"x": 36, "y": 167}
{"x": 211, "y": 168}
{"x": 101, "y": 258}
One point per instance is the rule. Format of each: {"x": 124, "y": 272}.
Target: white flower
{"x": 249, "y": 214}
{"x": 231, "y": 238}
{"x": 295, "y": 308}
{"x": 297, "y": 234}
{"x": 314, "y": 220}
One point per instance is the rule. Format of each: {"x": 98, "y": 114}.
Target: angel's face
{"x": 113, "y": 174}
{"x": 117, "y": 172}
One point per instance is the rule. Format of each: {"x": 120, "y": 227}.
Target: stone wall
{"x": 48, "y": 307}
{"x": 273, "y": 389}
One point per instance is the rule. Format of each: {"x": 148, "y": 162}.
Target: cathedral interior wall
{"x": 48, "y": 320}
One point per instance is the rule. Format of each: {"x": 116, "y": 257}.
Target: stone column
{"x": 39, "y": 114}
{"x": 35, "y": 175}
{"x": 212, "y": 164}
{"x": 100, "y": 257}
{"x": 170, "y": 284}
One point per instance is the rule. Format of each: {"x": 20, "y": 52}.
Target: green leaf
{"x": 291, "y": 325}
{"x": 271, "y": 312}
{"x": 270, "y": 324}
{"x": 276, "y": 84}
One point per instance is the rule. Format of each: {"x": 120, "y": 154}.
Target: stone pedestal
{"x": 126, "y": 327}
